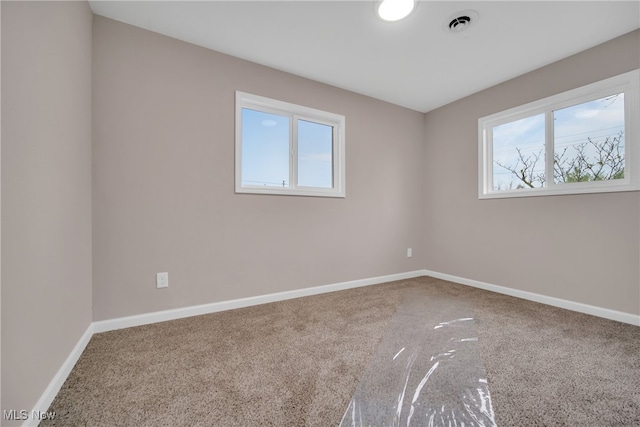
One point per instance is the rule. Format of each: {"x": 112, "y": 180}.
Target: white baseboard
{"x": 160, "y": 316}
{"x": 606, "y": 313}
{"x": 143, "y": 319}
{"x": 59, "y": 378}
{"x": 196, "y": 310}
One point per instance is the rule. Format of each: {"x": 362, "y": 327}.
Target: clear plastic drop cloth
{"x": 427, "y": 370}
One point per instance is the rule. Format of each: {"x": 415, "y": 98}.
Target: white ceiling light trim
{"x": 394, "y": 10}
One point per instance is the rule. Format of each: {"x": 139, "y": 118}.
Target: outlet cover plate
{"x": 162, "y": 280}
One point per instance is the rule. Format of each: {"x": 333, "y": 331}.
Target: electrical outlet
{"x": 409, "y": 252}
{"x": 162, "y": 280}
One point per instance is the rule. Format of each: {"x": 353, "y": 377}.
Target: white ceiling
{"x": 414, "y": 63}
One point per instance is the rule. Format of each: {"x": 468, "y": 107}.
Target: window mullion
{"x": 549, "y": 150}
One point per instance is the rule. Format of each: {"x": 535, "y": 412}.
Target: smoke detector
{"x": 460, "y": 21}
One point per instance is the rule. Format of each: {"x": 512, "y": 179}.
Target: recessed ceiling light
{"x": 394, "y": 10}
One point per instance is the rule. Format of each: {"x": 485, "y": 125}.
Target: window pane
{"x": 315, "y": 155}
{"x": 518, "y": 154}
{"x": 589, "y": 141}
{"x": 265, "y": 149}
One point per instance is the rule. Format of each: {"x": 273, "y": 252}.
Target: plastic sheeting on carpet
{"x": 427, "y": 370}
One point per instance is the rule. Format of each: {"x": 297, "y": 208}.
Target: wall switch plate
{"x": 162, "y": 280}
{"x": 409, "y": 252}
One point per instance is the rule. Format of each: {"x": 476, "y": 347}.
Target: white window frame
{"x": 295, "y": 113}
{"x": 628, "y": 83}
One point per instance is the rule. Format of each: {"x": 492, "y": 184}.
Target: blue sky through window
{"x": 525, "y": 135}
{"x": 596, "y": 121}
{"x": 265, "y": 151}
{"x": 523, "y": 141}
{"x": 315, "y": 145}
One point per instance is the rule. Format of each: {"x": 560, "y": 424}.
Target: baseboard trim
{"x": 197, "y": 310}
{"x": 160, "y": 316}
{"x": 59, "y": 378}
{"x": 556, "y": 302}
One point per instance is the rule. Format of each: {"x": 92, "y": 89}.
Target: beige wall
{"x": 164, "y": 199}
{"x": 583, "y": 248}
{"x": 161, "y": 182}
{"x": 46, "y": 192}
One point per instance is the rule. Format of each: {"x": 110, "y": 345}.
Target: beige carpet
{"x": 298, "y": 362}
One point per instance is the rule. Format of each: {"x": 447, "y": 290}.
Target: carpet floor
{"x": 298, "y": 363}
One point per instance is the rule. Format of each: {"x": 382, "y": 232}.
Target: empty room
{"x": 321, "y": 213}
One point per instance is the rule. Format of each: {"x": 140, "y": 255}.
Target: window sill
{"x": 298, "y": 192}
{"x": 562, "y": 190}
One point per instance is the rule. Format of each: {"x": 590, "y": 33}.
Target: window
{"x": 284, "y": 148}
{"x": 581, "y": 141}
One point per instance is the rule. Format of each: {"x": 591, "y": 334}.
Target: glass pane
{"x": 518, "y": 154}
{"x": 589, "y": 141}
{"x": 315, "y": 155}
{"x": 265, "y": 149}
